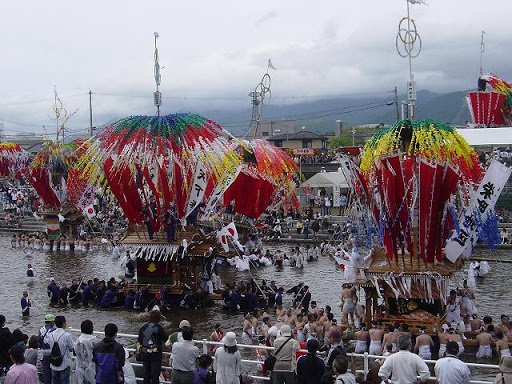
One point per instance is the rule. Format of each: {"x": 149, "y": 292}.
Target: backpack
{"x": 56, "y": 357}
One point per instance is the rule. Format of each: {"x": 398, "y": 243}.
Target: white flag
{"x": 222, "y": 237}
{"x": 226, "y": 233}
{"x": 483, "y": 201}
{"x": 89, "y": 211}
{"x": 219, "y": 191}
{"x": 198, "y": 188}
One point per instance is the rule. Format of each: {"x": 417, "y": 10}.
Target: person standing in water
{"x": 25, "y": 305}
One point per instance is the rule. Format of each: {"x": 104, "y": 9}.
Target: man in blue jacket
{"x": 53, "y": 292}
{"x": 109, "y": 297}
{"x": 109, "y": 357}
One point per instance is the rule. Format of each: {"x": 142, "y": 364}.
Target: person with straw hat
{"x": 228, "y": 361}
{"x": 505, "y": 376}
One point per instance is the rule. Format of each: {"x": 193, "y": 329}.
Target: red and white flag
{"x": 89, "y": 211}
{"x": 229, "y": 231}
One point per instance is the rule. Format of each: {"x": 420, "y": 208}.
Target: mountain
{"x": 321, "y": 115}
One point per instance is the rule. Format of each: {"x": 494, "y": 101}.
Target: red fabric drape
{"x": 125, "y": 190}
{"x": 426, "y": 181}
{"x": 180, "y": 195}
{"x": 251, "y": 195}
{"x": 40, "y": 180}
{"x": 157, "y": 220}
{"x": 164, "y": 185}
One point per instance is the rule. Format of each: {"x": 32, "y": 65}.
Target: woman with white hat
{"x": 505, "y": 376}
{"x": 228, "y": 361}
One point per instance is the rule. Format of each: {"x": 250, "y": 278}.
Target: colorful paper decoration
{"x": 14, "y": 160}
{"x": 410, "y": 174}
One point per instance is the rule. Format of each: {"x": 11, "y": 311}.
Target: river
{"x": 322, "y": 276}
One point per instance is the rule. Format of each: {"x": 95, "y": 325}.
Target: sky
{"x": 213, "y": 53}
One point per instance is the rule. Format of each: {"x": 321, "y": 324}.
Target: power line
{"x": 242, "y": 98}
{"x": 38, "y": 100}
{"x": 303, "y": 116}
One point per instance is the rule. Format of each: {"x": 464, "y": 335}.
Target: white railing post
{"x": 366, "y": 365}
{"x": 205, "y": 346}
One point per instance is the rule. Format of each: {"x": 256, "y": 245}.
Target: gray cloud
{"x": 214, "y": 53}
{"x": 265, "y": 18}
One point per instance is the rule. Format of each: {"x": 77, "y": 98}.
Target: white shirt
{"x": 404, "y": 366}
{"x": 65, "y": 344}
{"x": 450, "y": 370}
{"x": 184, "y": 355}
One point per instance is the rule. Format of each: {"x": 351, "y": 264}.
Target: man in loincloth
{"x": 348, "y": 300}
{"x": 423, "y": 344}
{"x": 376, "y": 335}
{"x": 248, "y": 330}
{"x": 361, "y": 340}
{"x": 485, "y": 341}
{"x": 466, "y": 302}
{"x": 390, "y": 338}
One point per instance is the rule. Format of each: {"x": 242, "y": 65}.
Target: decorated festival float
{"x": 48, "y": 174}
{"x": 491, "y": 108}
{"x": 166, "y": 173}
{"x": 14, "y": 161}
{"x": 422, "y": 201}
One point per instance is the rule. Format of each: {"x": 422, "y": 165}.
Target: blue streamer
{"x": 453, "y": 214}
{"x": 382, "y": 227}
{"x": 488, "y": 231}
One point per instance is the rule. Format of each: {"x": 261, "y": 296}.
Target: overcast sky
{"x": 214, "y": 52}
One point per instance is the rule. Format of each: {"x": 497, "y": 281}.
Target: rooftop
{"x": 302, "y": 135}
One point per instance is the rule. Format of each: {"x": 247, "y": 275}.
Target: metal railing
{"x": 205, "y": 344}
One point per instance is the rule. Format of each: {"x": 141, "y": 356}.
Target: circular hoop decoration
{"x": 406, "y": 38}
{"x": 265, "y": 83}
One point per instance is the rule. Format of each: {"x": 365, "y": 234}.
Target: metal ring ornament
{"x": 263, "y": 89}
{"x": 265, "y": 83}
{"x": 158, "y": 77}
{"x": 408, "y": 39}
{"x": 267, "y": 102}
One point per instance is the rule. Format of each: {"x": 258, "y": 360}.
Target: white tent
{"x": 326, "y": 180}
{"x": 487, "y": 136}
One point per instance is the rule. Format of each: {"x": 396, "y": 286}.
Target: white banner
{"x": 483, "y": 201}
{"x": 346, "y": 168}
{"x": 198, "y": 189}
{"x": 218, "y": 191}
{"x": 336, "y": 195}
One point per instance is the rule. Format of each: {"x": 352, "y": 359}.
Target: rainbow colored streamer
{"x": 425, "y": 140}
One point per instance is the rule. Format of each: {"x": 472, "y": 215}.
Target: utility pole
{"x": 396, "y": 104}
{"x": 90, "y": 113}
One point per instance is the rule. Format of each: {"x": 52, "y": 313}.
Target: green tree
{"x": 340, "y": 141}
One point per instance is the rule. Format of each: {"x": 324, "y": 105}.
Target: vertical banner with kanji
{"x": 218, "y": 192}
{"x": 336, "y": 192}
{"x": 483, "y": 201}
{"x": 198, "y": 188}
